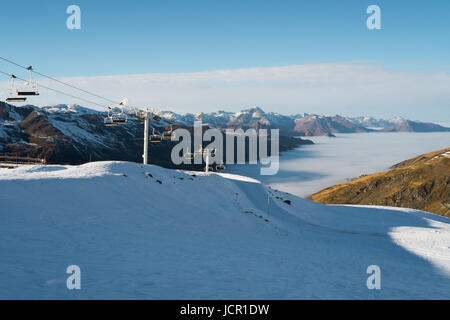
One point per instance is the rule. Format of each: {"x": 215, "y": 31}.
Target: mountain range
{"x": 71, "y": 134}
{"x": 303, "y": 124}
{"x": 74, "y": 134}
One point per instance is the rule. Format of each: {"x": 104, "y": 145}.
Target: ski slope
{"x": 144, "y": 232}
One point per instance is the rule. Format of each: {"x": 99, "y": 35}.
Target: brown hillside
{"x": 419, "y": 183}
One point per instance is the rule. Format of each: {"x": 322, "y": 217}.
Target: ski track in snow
{"x": 144, "y": 232}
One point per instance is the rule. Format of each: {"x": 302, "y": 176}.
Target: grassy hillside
{"x": 419, "y": 183}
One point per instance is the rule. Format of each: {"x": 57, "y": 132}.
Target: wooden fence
{"x": 21, "y": 160}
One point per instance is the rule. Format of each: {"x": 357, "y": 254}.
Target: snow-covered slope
{"x": 147, "y": 232}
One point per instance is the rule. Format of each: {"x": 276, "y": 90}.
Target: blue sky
{"x": 126, "y": 37}
{"x": 135, "y": 36}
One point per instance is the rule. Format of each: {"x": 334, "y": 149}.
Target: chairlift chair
{"x": 13, "y": 97}
{"x": 154, "y": 137}
{"x": 30, "y": 87}
{"x": 188, "y": 155}
{"x": 220, "y": 167}
{"x": 167, "y": 135}
{"x": 120, "y": 119}
{"x": 115, "y": 118}
{"x": 110, "y": 121}
{"x": 16, "y": 99}
{"x": 30, "y": 91}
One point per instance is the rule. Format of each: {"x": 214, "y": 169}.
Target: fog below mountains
{"x": 329, "y": 161}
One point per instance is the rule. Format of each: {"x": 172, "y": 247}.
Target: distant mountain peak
{"x": 405, "y": 125}
{"x": 255, "y": 117}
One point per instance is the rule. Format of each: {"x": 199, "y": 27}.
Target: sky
{"x": 285, "y": 56}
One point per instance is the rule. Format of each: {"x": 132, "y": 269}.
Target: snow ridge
{"x": 147, "y": 232}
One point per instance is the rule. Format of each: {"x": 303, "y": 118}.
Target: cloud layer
{"x": 333, "y": 88}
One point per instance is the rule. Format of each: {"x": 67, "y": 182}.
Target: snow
{"x": 444, "y": 154}
{"x": 71, "y": 108}
{"x": 146, "y": 232}
{"x": 79, "y": 130}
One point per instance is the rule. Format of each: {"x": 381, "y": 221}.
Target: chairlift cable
{"x": 57, "y": 91}
{"x": 59, "y": 81}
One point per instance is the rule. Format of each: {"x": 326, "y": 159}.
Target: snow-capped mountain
{"x": 370, "y": 122}
{"x": 144, "y": 232}
{"x": 404, "y": 125}
{"x": 398, "y": 124}
{"x": 73, "y": 134}
{"x": 303, "y": 124}
{"x": 326, "y": 126}
{"x": 292, "y": 125}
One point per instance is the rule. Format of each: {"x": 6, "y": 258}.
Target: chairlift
{"x": 201, "y": 151}
{"x": 167, "y": 135}
{"x": 121, "y": 117}
{"x": 154, "y": 137}
{"x": 108, "y": 121}
{"x": 123, "y": 102}
{"x": 120, "y": 120}
{"x": 16, "y": 99}
{"x": 30, "y": 87}
{"x": 13, "y": 93}
{"x": 137, "y": 114}
{"x": 220, "y": 167}
{"x": 113, "y": 121}
{"x": 188, "y": 155}
{"x": 115, "y": 118}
